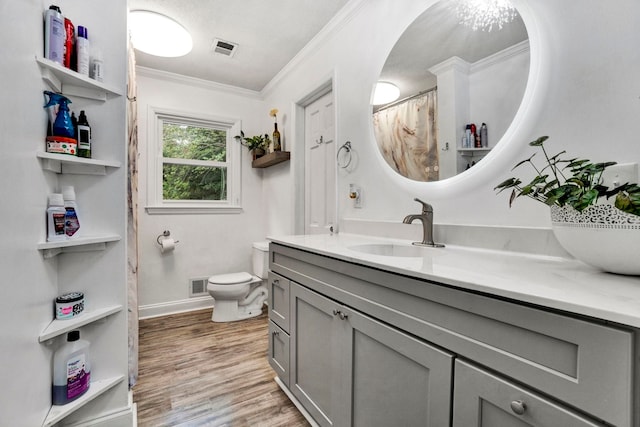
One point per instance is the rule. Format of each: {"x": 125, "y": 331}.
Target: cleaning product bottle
{"x": 97, "y": 65}
{"x": 54, "y": 35}
{"x": 63, "y": 126}
{"x": 82, "y": 50}
{"x": 484, "y": 141}
{"x": 55, "y": 218}
{"x": 71, "y": 369}
{"x": 71, "y": 221}
{"x": 84, "y": 136}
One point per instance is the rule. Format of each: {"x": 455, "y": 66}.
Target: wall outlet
{"x": 617, "y": 175}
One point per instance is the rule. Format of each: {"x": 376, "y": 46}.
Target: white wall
{"x": 209, "y": 243}
{"x": 583, "y": 92}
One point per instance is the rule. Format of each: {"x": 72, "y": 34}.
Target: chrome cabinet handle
{"x": 276, "y": 281}
{"x": 276, "y": 333}
{"x": 518, "y": 406}
{"x": 340, "y": 314}
{"x": 318, "y": 142}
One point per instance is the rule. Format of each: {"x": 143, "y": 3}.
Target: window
{"x": 194, "y": 164}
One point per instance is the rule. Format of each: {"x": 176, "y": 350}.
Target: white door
{"x": 320, "y": 166}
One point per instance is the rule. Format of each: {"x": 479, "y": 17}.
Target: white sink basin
{"x": 395, "y": 250}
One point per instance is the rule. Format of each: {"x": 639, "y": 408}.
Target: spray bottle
{"x": 59, "y": 119}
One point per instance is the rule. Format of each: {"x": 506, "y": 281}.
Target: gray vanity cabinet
{"x": 370, "y": 347}
{"x": 348, "y": 369}
{"x": 278, "y": 302}
{"x": 485, "y": 400}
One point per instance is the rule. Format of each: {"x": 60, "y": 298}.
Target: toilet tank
{"x": 260, "y": 257}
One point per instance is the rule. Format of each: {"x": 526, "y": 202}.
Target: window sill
{"x": 192, "y": 210}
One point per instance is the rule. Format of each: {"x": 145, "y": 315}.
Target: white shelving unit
{"x": 57, "y": 413}
{"x": 62, "y": 79}
{"x": 60, "y": 327}
{"x": 473, "y": 152}
{"x": 100, "y": 184}
{"x": 65, "y": 163}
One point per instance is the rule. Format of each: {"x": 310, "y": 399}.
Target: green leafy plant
{"x": 574, "y": 182}
{"x": 254, "y": 142}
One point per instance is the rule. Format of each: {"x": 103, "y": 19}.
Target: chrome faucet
{"x": 427, "y": 225}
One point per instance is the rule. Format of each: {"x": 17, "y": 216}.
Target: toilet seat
{"x": 231, "y": 279}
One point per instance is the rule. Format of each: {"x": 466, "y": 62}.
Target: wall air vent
{"x": 224, "y": 47}
{"x": 198, "y": 287}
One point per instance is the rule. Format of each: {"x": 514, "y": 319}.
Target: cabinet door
{"x": 279, "y": 352}
{"x": 484, "y": 400}
{"x": 395, "y": 379}
{"x": 314, "y": 362}
{"x": 279, "y": 300}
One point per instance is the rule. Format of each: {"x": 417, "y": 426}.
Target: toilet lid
{"x": 231, "y": 278}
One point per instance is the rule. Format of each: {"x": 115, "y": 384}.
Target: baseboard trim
{"x": 297, "y": 404}
{"x": 172, "y": 307}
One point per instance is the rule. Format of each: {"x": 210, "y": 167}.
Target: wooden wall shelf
{"x": 271, "y": 159}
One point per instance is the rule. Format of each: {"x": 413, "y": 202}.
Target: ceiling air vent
{"x": 223, "y": 47}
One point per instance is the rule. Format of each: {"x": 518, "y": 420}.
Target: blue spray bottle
{"x": 58, "y": 110}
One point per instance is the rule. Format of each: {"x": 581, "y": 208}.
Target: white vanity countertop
{"x": 552, "y": 282}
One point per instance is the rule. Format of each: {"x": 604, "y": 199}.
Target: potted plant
{"x": 600, "y": 233}
{"x": 257, "y": 144}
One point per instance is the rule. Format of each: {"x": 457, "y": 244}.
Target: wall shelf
{"x": 69, "y": 82}
{"x": 57, "y": 413}
{"x": 64, "y": 163}
{"x": 271, "y": 159}
{"x": 77, "y": 244}
{"x": 473, "y": 152}
{"x": 59, "y": 327}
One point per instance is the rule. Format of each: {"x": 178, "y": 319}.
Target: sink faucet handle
{"x": 426, "y": 207}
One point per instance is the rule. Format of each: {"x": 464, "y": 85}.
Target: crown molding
{"x": 501, "y": 56}
{"x": 196, "y": 82}
{"x": 342, "y": 18}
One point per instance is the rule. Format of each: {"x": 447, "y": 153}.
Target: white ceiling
{"x": 269, "y": 34}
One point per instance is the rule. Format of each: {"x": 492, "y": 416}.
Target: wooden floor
{"x": 193, "y": 372}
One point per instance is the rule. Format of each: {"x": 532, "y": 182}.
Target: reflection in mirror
{"x": 449, "y": 76}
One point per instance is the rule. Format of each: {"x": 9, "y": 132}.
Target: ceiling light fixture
{"x": 385, "y": 92}
{"x": 485, "y": 15}
{"x": 158, "y": 34}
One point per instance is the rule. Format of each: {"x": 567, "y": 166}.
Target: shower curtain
{"x": 132, "y": 218}
{"x": 407, "y": 136}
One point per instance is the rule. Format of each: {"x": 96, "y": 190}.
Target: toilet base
{"x": 229, "y": 311}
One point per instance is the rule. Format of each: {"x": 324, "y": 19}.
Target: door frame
{"x": 326, "y": 85}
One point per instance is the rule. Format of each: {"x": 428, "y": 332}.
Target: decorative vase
{"x": 601, "y": 235}
{"x": 257, "y": 153}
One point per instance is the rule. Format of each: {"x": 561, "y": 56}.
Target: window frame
{"x": 156, "y": 204}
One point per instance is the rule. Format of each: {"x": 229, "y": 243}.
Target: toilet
{"x": 240, "y": 296}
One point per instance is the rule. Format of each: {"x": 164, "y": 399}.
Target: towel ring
{"x": 346, "y": 146}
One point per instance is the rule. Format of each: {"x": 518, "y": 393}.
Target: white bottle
{"x": 54, "y": 34}
{"x": 71, "y": 369}
{"x": 55, "y": 218}
{"x": 96, "y": 71}
{"x": 82, "y": 49}
{"x": 71, "y": 221}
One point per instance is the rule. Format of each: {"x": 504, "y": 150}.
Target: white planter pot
{"x": 601, "y": 235}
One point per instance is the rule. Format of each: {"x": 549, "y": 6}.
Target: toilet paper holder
{"x": 165, "y": 234}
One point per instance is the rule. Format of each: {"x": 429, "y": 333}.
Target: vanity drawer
{"x": 483, "y": 399}
{"x": 279, "y": 352}
{"x": 583, "y": 363}
{"x": 279, "y": 300}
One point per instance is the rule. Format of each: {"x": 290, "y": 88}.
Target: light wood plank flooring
{"x": 193, "y": 372}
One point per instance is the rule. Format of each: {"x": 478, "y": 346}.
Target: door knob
{"x": 518, "y": 406}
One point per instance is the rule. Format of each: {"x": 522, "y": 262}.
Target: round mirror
{"x": 460, "y": 89}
